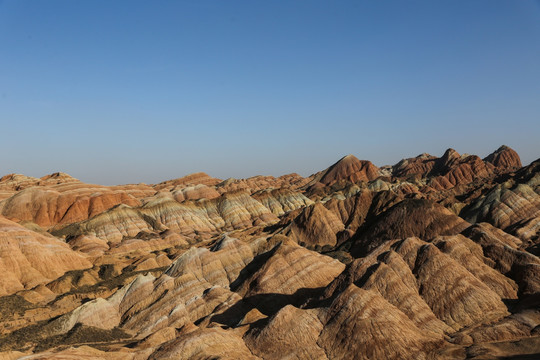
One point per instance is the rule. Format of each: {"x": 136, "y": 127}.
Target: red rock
{"x": 504, "y": 158}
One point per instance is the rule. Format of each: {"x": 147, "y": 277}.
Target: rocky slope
{"x": 428, "y": 258}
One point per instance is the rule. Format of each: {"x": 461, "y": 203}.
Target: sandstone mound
{"x": 410, "y": 217}
{"x": 420, "y": 165}
{"x": 430, "y": 258}
{"x": 28, "y": 259}
{"x": 438, "y": 290}
{"x": 57, "y": 178}
{"x": 288, "y": 270}
{"x": 353, "y": 210}
{"x": 230, "y": 211}
{"x": 192, "y": 179}
{"x": 63, "y": 204}
{"x": 16, "y": 182}
{"x": 504, "y": 158}
{"x": 257, "y": 183}
{"x": 501, "y": 249}
{"x": 281, "y": 201}
{"x": 375, "y": 322}
{"x": 205, "y": 344}
{"x": 453, "y": 169}
{"x": 356, "y": 322}
{"x": 315, "y": 226}
{"x": 194, "y": 192}
{"x": 348, "y": 168}
{"x": 504, "y": 207}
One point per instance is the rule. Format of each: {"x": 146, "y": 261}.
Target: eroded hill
{"x": 433, "y": 257}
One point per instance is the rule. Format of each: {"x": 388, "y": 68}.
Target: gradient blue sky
{"x": 144, "y": 91}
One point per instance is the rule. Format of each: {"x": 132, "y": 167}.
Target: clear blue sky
{"x": 143, "y": 91}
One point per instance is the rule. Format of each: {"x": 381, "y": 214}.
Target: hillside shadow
{"x": 267, "y": 304}
{"x": 255, "y": 264}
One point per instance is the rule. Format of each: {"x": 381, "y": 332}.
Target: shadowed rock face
{"x": 429, "y": 258}
{"x": 316, "y": 226}
{"x": 411, "y": 217}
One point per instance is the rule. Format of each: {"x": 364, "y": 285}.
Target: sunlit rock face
{"x": 28, "y": 258}
{"x": 425, "y": 259}
{"x": 504, "y": 158}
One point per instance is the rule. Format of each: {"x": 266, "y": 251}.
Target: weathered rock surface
{"x": 504, "y": 207}
{"x": 351, "y": 169}
{"x": 316, "y": 226}
{"x": 429, "y": 258}
{"x": 192, "y": 179}
{"x": 230, "y": 211}
{"x": 504, "y": 158}
{"x": 63, "y": 204}
{"x": 410, "y": 217}
{"x": 28, "y": 259}
{"x": 202, "y": 344}
{"x": 257, "y": 183}
{"x": 453, "y": 169}
{"x": 281, "y": 201}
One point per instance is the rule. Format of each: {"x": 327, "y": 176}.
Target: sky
{"x": 116, "y": 92}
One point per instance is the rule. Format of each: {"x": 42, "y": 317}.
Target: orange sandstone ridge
{"x": 433, "y": 257}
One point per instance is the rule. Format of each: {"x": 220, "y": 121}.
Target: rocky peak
{"x": 504, "y": 158}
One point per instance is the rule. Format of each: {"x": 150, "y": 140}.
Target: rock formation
{"x": 28, "y": 259}
{"x": 504, "y": 158}
{"x": 425, "y": 259}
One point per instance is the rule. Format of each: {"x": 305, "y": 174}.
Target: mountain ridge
{"x": 427, "y": 258}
